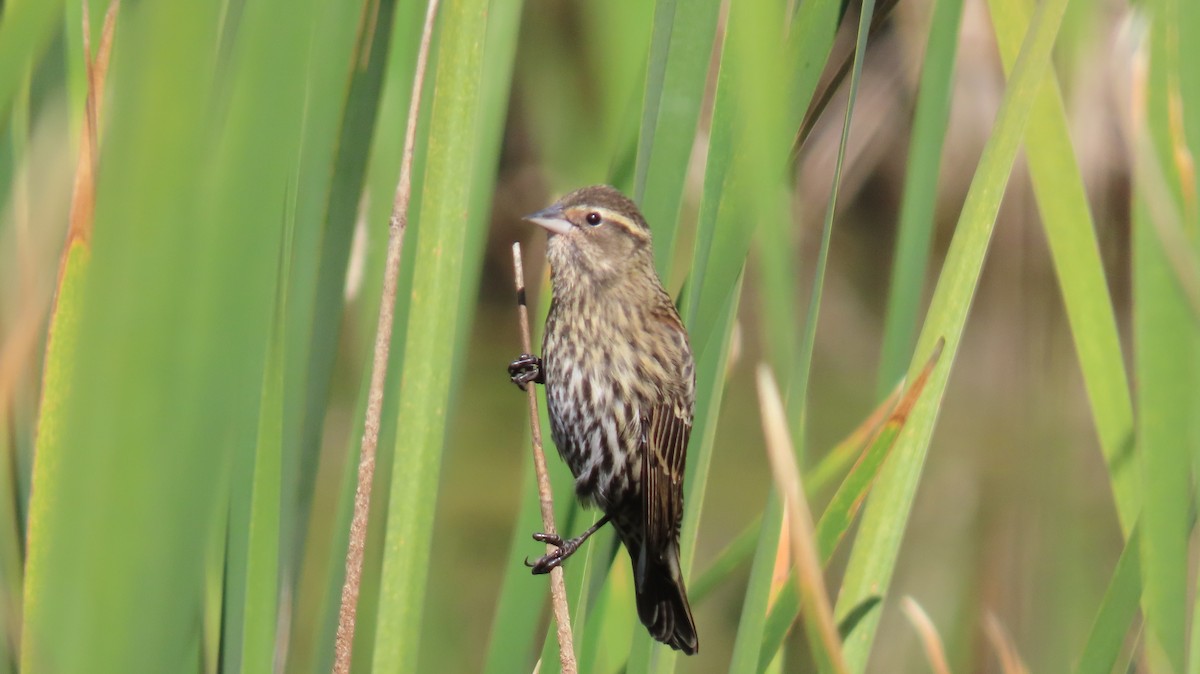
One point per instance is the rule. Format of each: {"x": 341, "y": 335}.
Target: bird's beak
{"x": 552, "y": 219}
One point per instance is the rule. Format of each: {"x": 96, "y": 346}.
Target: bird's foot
{"x": 526, "y": 368}
{"x": 562, "y": 550}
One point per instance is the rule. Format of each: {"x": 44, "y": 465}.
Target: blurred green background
{"x": 184, "y": 357}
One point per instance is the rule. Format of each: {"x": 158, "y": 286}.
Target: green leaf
{"x": 175, "y": 321}
{"x": 330, "y": 178}
{"x": 746, "y": 648}
{"x": 680, "y": 52}
{"x": 456, "y": 122}
{"x": 872, "y": 560}
{"x": 1118, "y": 610}
{"x": 1067, "y": 220}
{"x": 11, "y": 570}
{"x": 1166, "y": 353}
{"x": 841, "y": 511}
{"x": 339, "y": 127}
{"x": 917, "y": 205}
{"x": 26, "y": 27}
{"x": 731, "y": 558}
{"x": 1165, "y": 356}
{"x": 754, "y": 613}
{"x": 263, "y": 544}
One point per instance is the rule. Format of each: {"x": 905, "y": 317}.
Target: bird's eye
{"x": 594, "y": 218}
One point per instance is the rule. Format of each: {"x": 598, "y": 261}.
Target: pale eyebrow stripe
{"x": 624, "y": 222}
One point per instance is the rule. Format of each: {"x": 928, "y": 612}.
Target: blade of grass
{"x": 586, "y": 124}
{"x": 847, "y": 501}
{"x": 1165, "y": 363}
{"x": 738, "y": 186}
{"x": 1067, "y": 221}
{"x": 25, "y": 31}
{"x": 214, "y": 600}
{"x": 455, "y": 130}
{"x": 352, "y": 51}
{"x": 605, "y": 648}
{"x": 804, "y": 362}
{"x": 350, "y": 55}
{"x": 262, "y": 569}
{"x": 11, "y": 571}
{"x": 500, "y": 47}
{"x": 1118, "y": 610}
{"x": 808, "y": 48}
{"x": 383, "y": 337}
{"x": 251, "y": 64}
{"x": 388, "y": 151}
{"x": 656, "y": 70}
{"x": 778, "y": 281}
{"x": 593, "y": 571}
{"x": 836, "y": 462}
{"x": 740, "y": 549}
{"x": 679, "y": 58}
{"x": 269, "y": 58}
{"x": 842, "y": 509}
{"x": 1188, "y": 44}
{"x": 180, "y": 315}
{"x": 814, "y": 27}
{"x": 1166, "y": 358}
{"x": 63, "y": 336}
{"x": 823, "y": 636}
{"x": 754, "y": 614}
{"x": 62, "y": 342}
{"x": 756, "y": 603}
{"x": 829, "y": 85}
{"x": 1126, "y": 663}
{"x": 873, "y": 559}
{"x": 917, "y": 204}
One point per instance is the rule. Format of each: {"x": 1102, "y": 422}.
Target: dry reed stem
{"x": 558, "y": 587}
{"x": 1006, "y": 650}
{"x": 383, "y": 339}
{"x": 786, "y": 472}
{"x": 931, "y": 641}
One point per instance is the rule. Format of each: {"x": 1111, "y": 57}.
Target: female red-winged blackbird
{"x": 620, "y": 386}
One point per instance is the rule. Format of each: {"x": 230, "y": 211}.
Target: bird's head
{"x": 598, "y": 233}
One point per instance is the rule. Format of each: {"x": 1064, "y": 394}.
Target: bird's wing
{"x": 665, "y": 432}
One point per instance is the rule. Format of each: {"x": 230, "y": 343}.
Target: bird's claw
{"x": 526, "y": 368}
{"x": 547, "y": 562}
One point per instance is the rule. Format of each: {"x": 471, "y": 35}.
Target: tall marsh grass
{"x": 999, "y": 199}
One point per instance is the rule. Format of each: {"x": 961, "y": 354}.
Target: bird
{"x": 620, "y": 385}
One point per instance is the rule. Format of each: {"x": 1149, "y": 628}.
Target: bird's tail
{"x": 662, "y": 600}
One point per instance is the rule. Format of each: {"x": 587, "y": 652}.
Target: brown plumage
{"x": 620, "y": 386}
